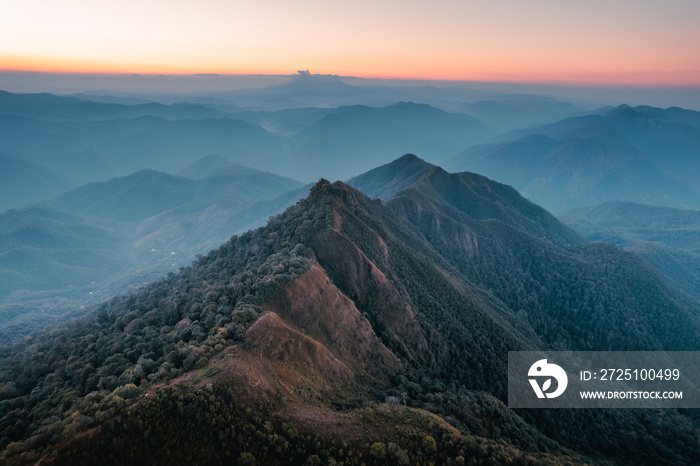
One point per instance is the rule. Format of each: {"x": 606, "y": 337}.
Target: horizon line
{"x": 576, "y": 83}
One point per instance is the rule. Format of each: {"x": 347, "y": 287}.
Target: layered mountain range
{"x": 104, "y": 238}
{"x": 642, "y": 154}
{"x": 368, "y": 323}
{"x": 556, "y": 154}
{"x": 74, "y": 141}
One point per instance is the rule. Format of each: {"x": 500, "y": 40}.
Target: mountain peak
{"x": 410, "y": 179}
{"x": 336, "y": 190}
{"x": 409, "y": 159}
{"x": 387, "y": 180}
{"x": 322, "y": 185}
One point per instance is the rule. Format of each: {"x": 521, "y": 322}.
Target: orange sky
{"x": 647, "y": 42}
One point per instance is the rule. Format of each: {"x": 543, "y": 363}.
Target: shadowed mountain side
{"x": 505, "y": 243}
{"x": 472, "y": 195}
{"x": 668, "y": 238}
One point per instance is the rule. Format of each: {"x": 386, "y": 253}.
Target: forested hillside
{"x": 667, "y": 238}
{"x": 354, "y": 330}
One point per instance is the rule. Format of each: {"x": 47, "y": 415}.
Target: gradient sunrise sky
{"x": 619, "y": 42}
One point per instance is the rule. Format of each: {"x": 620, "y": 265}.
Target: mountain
{"x": 131, "y": 198}
{"x": 52, "y": 107}
{"x": 146, "y": 193}
{"x": 250, "y": 182}
{"x": 493, "y": 235}
{"x": 212, "y": 165}
{"x": 306, "y": 90}
{"x": 96, "y": 141}
{"x": 361, "y": 137}
{"x": 286, "y": 122}
{"x": 668, "y": 238}
{"x": 104, "y": 238}
{"x": 473, "y": 195}
{"x": 48, "y": 253}
{"x": 640, "y": 155}
{"x": 98, "y": 150}
{"x": 660, "y": 137}
{"x": 355, "y": 330}
{"x": 159, "y": 205}
{"x": 509, "y": 112}
{"x": 23, "y": 183}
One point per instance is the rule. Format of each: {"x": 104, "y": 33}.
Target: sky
{"x": 605, "y": 42}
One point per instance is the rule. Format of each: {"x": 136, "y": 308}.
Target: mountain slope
{"x": 23, "y": 183}
{"x": 668, "y": 238}
{"x": 282, "y": 304}
{"x": 146, "y": 193}
{"x": 97, "y": 141}
{"x": 537, "y": 266}
{"x": 319, "y": 325}
{"x": 641, "y": 155}
{"x": 98, "y": 150}
{"x": 48, "y": 253}
{"x": 360, "y": 137}
{"x": 211, "y": 165}
{"x": 103, "y": 238}
{"x": 471, "y": 194}
{"x": 508, "y": 112}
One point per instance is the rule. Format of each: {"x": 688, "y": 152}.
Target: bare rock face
{"x": 316, "y": 307}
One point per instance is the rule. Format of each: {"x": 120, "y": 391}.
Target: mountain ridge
{"x": 387, "y": 310}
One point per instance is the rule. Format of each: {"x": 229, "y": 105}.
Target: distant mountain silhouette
{"x": 23, "y": 183}
{"x": 361, "y": 137}
{"x": 213, "y": 165}
{"x": 97, "y": 150}
{"x": 61, "y": 108}
{"x": 146, "y": 193}
{"x": 639, "y": 155}
{"x": 94, "y": 141}
{"x": 508, "y": 112}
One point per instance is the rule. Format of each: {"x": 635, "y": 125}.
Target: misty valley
{"x": 325, "y": 272}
